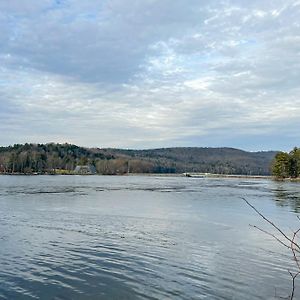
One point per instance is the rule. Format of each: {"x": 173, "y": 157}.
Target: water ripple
{"x": 139, "y": 238}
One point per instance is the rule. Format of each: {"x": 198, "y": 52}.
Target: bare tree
{"x": 290, "y": 242}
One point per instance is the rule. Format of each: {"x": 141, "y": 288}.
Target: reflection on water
{"x": 288, "y": 194}
{"x": 139, "y": 237}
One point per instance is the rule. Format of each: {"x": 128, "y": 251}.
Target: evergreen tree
{"x": 287, "y": 164}
{"x": 281, "y": 165}
{"x": 295, "y": 163}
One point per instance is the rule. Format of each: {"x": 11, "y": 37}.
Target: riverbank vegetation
{"x": 287, "y": 165}
{"x": 63, "y": 158}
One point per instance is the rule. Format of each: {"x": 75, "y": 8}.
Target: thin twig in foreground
{"x": 271, "y": 223}
{"x": 294, "y": 245}
{"x": 272, "y": 235}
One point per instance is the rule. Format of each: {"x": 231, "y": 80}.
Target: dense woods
{"x": 287, "y": 165}
{"x": 63, "y": 158}
{"x": 49, "y": 158}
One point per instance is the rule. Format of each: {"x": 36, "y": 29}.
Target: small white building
{"x": 85, "y": 170}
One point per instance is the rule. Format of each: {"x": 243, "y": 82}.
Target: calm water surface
{"x": 139, "y": 237}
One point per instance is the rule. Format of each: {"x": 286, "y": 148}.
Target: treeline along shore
{"x": 55, "y": 158}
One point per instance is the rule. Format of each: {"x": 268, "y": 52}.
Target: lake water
{"x": 143, "y": 237}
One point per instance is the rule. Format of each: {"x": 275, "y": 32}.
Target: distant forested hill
{"x": 207, "y": 160}
{"x": 48, "y": 158}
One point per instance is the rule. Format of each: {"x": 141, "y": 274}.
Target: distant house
{"x": 85, "y": 170}
{"x": 2, "y": 169}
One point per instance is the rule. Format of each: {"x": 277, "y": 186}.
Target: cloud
{"x": 150, "y": 73}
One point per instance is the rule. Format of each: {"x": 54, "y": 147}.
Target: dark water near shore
{"x": 139, "y": 237}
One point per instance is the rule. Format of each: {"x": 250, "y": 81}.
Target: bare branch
{"x": 294, "y": 276}
{"x": 294, "y": 245}
{"x": 271, "y": 223}
{"x": 294, "y": 250}
{"x": 272, "y": 235}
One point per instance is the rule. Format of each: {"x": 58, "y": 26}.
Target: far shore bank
{"x": 188, "y": 175}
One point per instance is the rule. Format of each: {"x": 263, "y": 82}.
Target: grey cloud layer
{"x": 150, "y": 73}
{"x": 100, "y": 41}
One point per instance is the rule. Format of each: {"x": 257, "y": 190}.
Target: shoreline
{"x": 187, "y": 175}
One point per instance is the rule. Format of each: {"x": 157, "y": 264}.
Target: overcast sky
{"x": 151, "y": 73}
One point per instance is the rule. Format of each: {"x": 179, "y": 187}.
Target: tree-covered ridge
{"x": 57, "y": 158}
{"x": 44, "y": 158}
{"x": 287, "y": 165}
{"x": 206, "y": 160}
